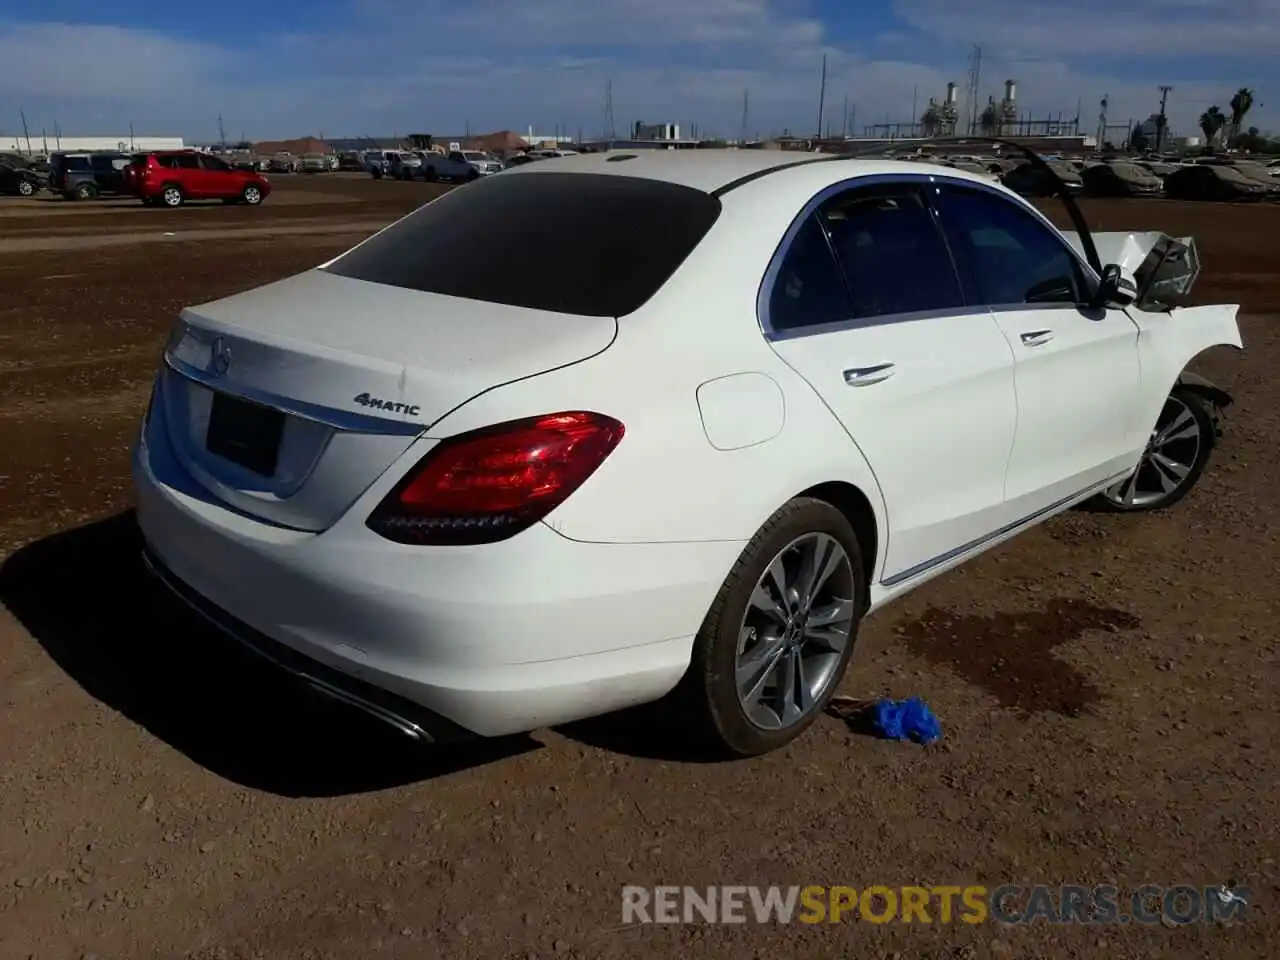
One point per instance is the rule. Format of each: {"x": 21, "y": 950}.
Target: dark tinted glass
{"x": 186, "y": 161}
{"x": 586, "y": 244}
{"x": 1006, "y": 255}
{"x": 893, "y": 256}
{"x": 808, "y": 289}
{"x": 213, "y": 163}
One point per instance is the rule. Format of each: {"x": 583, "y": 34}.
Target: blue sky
{"x": 366, "y": 67}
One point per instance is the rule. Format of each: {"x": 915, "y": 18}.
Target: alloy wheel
{"x": 798, "y": 623}
{"x": 1170, "y": 456}
{"x": 26, "y": 189}
{"x": 172, "y": 196}
{"x": 252, "y": 195}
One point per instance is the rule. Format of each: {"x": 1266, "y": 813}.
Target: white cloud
{"x": 1084, "y": 28}
{"x": 438, "y": 65}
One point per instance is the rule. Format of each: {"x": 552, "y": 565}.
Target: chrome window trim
{"x": 765, "y": 291}
{"x": 343, "y": 420}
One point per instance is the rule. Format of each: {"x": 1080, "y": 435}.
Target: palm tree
{"x": 1240, "y": 105}
{"x": 1211, "y": 123}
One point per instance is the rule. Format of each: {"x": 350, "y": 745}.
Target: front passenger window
{"x": 1005, "y": 255}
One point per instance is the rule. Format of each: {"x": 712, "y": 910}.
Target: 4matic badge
{"x": 391, "y": 406}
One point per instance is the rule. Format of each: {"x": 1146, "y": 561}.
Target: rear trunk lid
{"x": 287, "y": 401}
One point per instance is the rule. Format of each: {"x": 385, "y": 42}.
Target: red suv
{"x": 169, "y": 178}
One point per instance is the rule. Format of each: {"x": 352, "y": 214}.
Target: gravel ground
{"x": 1107, "y": 686}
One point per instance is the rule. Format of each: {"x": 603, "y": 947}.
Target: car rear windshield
{"x": 587, "y": 244}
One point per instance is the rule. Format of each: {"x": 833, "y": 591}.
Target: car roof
{"x": 718, "y": 171}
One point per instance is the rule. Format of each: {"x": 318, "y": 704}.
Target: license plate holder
{"x": 246, "y": 433}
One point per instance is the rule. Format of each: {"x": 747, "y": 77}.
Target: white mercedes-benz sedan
{"x": 586, "y": 434}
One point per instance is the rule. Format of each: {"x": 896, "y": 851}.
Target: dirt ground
{"x": 1107, "y": 687}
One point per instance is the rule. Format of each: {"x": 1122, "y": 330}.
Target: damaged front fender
{"x": 1167, "y": 343}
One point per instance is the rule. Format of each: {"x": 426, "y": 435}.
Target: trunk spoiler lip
{"x": 346, "y": 421}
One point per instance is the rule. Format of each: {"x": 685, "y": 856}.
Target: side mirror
{"x": 1118, "y": 288}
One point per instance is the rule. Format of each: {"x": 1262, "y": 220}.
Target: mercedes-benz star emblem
{"x": 219, "y": 357}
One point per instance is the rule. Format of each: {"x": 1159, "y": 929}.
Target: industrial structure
{"x": 45, "y": 144}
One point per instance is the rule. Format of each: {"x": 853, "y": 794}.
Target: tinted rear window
{"x": 586, "y": 244}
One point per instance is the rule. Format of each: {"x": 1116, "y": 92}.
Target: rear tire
{"x": 84, "y": 191}
{"x": 26, "y": 188}
{"x": 172, "y": 196}
{"x": 769, "y": 658}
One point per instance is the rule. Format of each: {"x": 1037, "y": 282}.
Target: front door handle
{"x": 865, "y": 376}
{"x": 1036, "y": 338}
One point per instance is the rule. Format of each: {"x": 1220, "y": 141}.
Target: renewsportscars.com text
{"x": 1101, "y": 904}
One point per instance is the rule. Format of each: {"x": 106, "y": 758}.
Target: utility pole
{"x": 610, "y": 132}
{"x": 746, "y": 106}
{"x": 974, "y": 85}
{"x": 1102, "y": 121}
{"x": 844, "y": 121}
{"x": 132, "y": 144}
{"x": 222, "y": 134}
{"x": 25, "y": 132}
{"x": 822, "y": 95}
{"x": 1163, "y": 120}
{"x": 915, "y": 118}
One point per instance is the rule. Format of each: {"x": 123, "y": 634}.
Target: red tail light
{"x": 490, "y": 484}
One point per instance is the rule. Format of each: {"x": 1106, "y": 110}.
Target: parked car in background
{"x": 1120, "y": 179}
{"x": 84, "y": 176}
{"x": 351, "y": 162}
{"x": 170, "y": 178}
{"x": 1202, "y": 181}
{"x": 519, "y": 160}
{"x": 1256, "y": 172}
{"x": 451, "y": 167}
{"x": 283, "y": 163}
{"x": 1030, "y": 180}
{"x": 484, "y": 163}
{"x": 313, "y": 163}
{"x": 16, "y": 181}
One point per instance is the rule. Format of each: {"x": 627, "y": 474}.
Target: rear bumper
{"x": 504, "y": 638}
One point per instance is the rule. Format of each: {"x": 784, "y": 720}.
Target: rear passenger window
{"x": 892, "y": 253}
{"x": 186, "y": 161}
{"x": 1005, "y": 254}
{"x": 808, "y": 289}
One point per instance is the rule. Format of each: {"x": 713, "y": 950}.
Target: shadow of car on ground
{"x": 86, "y": 597}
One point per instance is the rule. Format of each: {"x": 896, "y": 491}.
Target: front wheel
{"x": 251, "y": 194}
{"x": 1175, "y": 456}
{"x": 26, "y": 188}
{"x": 778, "y": 638}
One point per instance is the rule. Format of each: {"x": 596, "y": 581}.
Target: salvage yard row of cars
{"x": 170, "y": 178}
{"x": 1201, "y": 178}
{"x": 167, "y": 178}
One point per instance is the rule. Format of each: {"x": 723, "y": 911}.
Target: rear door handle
{"x": 1036, "y": 338}
{"x": 865, "y": 376}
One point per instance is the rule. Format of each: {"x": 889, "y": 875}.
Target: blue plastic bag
{"x": 908, "y": 719}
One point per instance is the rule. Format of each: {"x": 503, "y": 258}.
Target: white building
{"x": 45, "y": 144}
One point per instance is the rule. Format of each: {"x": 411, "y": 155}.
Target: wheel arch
{"x": 857, "y": 509}
{"x": 1171, "y": 341}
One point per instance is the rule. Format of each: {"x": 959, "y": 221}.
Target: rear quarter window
{"x": 587, "y": 244}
